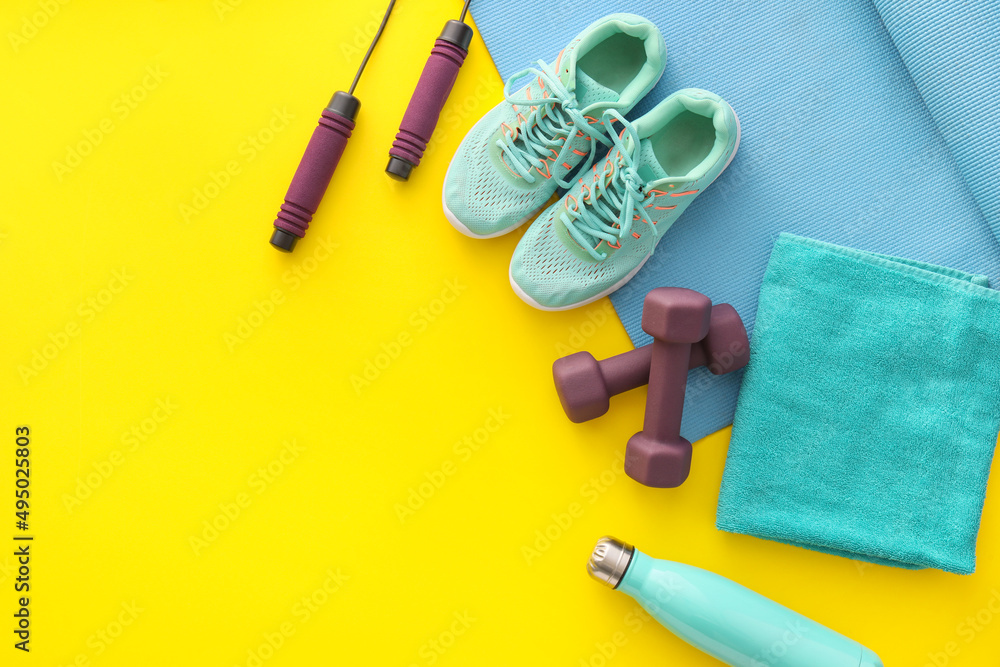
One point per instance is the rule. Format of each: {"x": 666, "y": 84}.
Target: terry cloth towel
{"x": 869, "y": 411}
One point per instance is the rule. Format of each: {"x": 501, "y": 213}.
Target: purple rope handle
{"x": 314, "y": 173}
{"x": 433, "y": 88}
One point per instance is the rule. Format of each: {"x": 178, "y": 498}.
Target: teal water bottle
{"x": 722, "y": 618}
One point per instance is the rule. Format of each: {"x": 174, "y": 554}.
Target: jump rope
{"x": 336, "y": 124}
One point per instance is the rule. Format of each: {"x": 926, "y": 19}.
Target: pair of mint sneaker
{"x": 623, "y": 183}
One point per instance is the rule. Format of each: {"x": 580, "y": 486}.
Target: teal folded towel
{"x": 869, "y": 412}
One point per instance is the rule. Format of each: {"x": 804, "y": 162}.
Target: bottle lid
{"x": 609, "y": 561}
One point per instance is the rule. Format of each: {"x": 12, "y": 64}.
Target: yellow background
{"x": 164, "y": 97}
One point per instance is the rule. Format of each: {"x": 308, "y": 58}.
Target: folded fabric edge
{"x": 954, "y": 279}
{"x": 736, "y": 529}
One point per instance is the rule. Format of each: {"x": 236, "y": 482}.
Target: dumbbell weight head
{"x": 726, "y": 348}
{"x": 654, "y": 463}
{"x": 586, "y": 385}
{"x": 676, "y": 315}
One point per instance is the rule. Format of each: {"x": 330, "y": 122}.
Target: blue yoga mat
{"x": 837, "y": 145}
{"x": 952, "y": 51}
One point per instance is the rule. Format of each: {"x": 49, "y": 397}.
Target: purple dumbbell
{"x": 676, "y": 318}
{"x": 428, "y": 99}
{"x": 586, "y": 385}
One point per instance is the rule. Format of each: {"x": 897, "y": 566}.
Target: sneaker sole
{"x": 621, "y": 283}
{"x": 534, "y": 304}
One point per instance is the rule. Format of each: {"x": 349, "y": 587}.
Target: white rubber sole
{"x": 457, "y": 224}
{"x": 631, "y": 274}
{"x": 614, "y": 288}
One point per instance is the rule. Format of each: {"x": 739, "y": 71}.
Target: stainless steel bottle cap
{"x": 609, "y": 561}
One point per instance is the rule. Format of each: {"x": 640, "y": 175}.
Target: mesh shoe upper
{"x": 519, "y": 153}
{"x": 563, "y": 261}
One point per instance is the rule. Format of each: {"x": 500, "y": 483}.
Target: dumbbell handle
{"x": 665, "y": 398}
{"x": 429, "y": 97}
{"x": 630, "y": 370}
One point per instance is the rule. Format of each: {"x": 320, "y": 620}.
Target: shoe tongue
{"x": 589, "y": 91}
{"x": 646, "y": 164}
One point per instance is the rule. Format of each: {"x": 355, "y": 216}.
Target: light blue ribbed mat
{"x": 837, "y": 145}
{"x": 952, "y": 51}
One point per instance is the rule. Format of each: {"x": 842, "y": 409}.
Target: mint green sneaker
{"x": 592, "y": 241}
{"x": 513, "y": 160}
